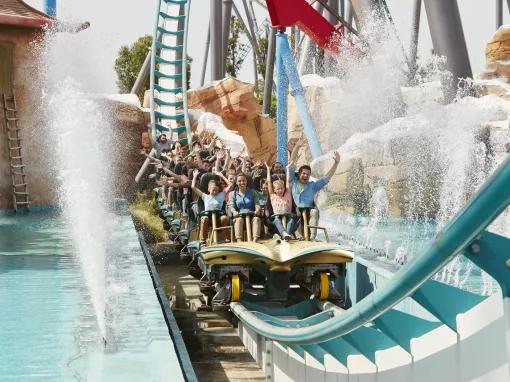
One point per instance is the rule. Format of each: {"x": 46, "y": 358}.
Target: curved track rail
{"x": 374, "y": 335}
{"x": 168, "y": 75}
{"x": 460, "y": 233}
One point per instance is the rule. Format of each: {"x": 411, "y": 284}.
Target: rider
{"x": 213, "y": 201}
{"x": 304, "y": 189}
{"x": 281, "y": 200}
{"x": 245, "y": 199}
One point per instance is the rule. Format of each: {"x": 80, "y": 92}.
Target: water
{"x": 48, "y": 325}
{"x": 80, "y": 148}
{"x": 409, "y": 161}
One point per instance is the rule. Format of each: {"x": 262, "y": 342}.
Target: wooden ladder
{"x": 20, "y": 193}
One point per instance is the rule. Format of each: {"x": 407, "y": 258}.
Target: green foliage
{"x": 129, "y": 62}
{"x": 262, "y": 56}
{"x": 146, "y": 216}
{"x": 236, "y": 51}
{"x": 272, "y": 107}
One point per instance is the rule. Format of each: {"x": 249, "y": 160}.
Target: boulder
{"x": 498, "y": 47}
{"x": 129, "y": 124}
{"x": 497, "y": 55}
{"x": 235, "y": 103}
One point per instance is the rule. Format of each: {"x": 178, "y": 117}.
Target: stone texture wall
{"x": 26, "y": 76}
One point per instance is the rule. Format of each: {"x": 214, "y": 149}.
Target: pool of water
{"x": 48, "y": 327}
{"x": 391, "y": 242}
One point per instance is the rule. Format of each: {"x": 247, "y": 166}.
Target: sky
{"x": 120, "y": 22}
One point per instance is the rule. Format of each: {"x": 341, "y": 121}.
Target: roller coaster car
{"x": 270, "y": 271}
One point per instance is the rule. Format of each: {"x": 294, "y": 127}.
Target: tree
{"x": 262, "y": 56}
{"x": 236, "y": 51}
{"x": 129, "y": 62}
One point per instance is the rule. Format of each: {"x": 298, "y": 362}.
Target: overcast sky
{"x": 120, "y": 22}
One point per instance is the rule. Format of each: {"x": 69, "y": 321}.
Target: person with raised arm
{"x": 281, "y": 200}
{"x": 213, "y": 202}
{"x": 304, "y": 189}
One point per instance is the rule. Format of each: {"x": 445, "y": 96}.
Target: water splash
{"x": 79, "y": 132}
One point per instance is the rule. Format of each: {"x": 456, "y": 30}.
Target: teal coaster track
{"x": 464, "y": 234}
{"x": 168, "y": 75}
{"x": 374, "y": 323}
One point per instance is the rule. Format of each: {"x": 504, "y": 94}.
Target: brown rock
{"x": 235, "y": 103}
{"x": 498, "y": 47}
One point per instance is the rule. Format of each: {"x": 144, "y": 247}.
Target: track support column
{"x": 448, "y": 39}
{"x": 288, "y": 75}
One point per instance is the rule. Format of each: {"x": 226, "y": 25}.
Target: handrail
{"x": 492, "y": 198}
{"x": 185, "y": 73}
{"x": 152, "y": 76}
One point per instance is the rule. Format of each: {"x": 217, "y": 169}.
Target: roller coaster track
{"x": 168, "y": 75}
{"x": 447, "y": 335}
{"x": 375, "y": 337}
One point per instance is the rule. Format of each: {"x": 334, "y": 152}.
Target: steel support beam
{"x": 288, "y": 75}
{"x": 415, "y": 33}
{"x": 227, "y": 13}
{"x": 251, "y": 29}
{"x": 308, "y": 52}
{"x": 329, "y": 61}
{"x": 143, "y": 74}
{"x": 206, "y": 56}
{"x": 268, "y": 79}
{"x": 363, "y": 8}
{"x": 448, "y": 40}
{"x": 499, "y": 13}
{"x": 216, "y": 40}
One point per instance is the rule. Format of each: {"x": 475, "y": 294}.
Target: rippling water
{"x": 48, "y": 326}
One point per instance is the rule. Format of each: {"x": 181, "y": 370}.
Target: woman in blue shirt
{"x": 245, "y": 200}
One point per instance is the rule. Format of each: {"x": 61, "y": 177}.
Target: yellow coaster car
{"x": 271, "y": 270}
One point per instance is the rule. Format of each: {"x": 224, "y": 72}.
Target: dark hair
{"x": 204, "y": 154}
{"x": 304, "y": 167}
{"x": 181, "y": 169}
{"x": 237, "y": 177}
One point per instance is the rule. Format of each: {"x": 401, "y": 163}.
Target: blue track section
{"x": 413, "y": 280}
{"x": 168, "y": 77}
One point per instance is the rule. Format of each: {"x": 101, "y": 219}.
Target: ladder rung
{"x": 161, "y": 89}
{"x": 176, "y": 1}
{"x": 170, "y": 17}
{"x": 175, "y": 117}
{"x": 20, "y": 185}
{"x": 12, "y": 119}
{"x": 177, "y": 48}
{"x": 15, "y": 148}
{"x": 17, "y": 165}
{"x": 19, "y": 173}
{"x": 169, "y": 76}
{"x": 21, "y": 193}
{"x": 22, "y": 202}
{"x": 165, "y": 103}
{"x": 17, "y": 157}
{"x": 179, "y": 129}
{"x": 166, "y": 31}
{"x": 14, "y": 139}
{"x": 160, "y": 60}
{"x": 161, "y": 127}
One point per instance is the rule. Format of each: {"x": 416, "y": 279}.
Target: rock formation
{"x": 235, "y": 103}
{"x": 128, "y": 121}
{"x": 497, "y": 55}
